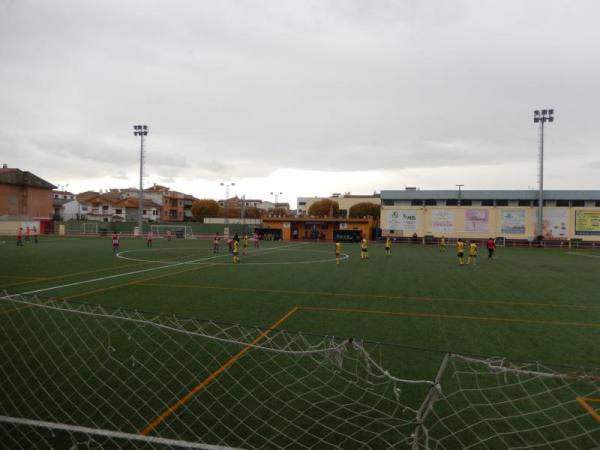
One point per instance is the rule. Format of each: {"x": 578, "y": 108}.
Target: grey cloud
{"x": 243, "y": 88}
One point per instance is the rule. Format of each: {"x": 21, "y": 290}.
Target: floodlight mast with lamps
{"x": 227, "y": 186}
{"x": 276, "y": 195}
{"x": 142, "y": 132}
{"x": 541, "y": 116}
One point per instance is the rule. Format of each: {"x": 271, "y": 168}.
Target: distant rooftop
{"x": 23, "y": 178}
{"x": 489, "y": 195}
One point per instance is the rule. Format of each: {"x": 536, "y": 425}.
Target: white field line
{"x": 583, "y": 254}
{"x": 244, "y": 264}
{"x": 110, "y": 277}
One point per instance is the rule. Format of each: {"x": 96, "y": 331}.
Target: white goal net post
{"x": 90, "y": 228}
{"x": 85, "y": 376}
{"x": 176, "y": 231}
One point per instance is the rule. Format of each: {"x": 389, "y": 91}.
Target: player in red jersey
{"x": 116, "y": 241}
{"x": 20, "y": 237}
{"x": 149, "y": 239}
{"x": 491, "y": 248}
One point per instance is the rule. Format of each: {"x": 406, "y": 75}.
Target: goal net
{"x": 176, "y": 231}
{"x": 90, "y": 228}
{"x": 86, "y": 376}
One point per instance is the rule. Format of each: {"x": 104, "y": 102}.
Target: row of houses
{"x": 25, "y": 196}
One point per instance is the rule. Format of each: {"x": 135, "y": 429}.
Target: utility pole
{"x": 459, "y": 193}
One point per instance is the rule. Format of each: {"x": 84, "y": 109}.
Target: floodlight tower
{"x": 541, "y": 116}
{"x": 227, "y": 186}
{"x": 142, "y": 132}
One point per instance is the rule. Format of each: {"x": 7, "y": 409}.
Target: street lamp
{"x": 276, "y": 195}
{"x": 541, "y": 116}
{"x": 227, "y": 186}
{"x": 142, "y": 132}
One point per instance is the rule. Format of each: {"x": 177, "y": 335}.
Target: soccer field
{"x": 307, "y": 352}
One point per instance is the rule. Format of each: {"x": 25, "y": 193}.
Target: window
{"x": 154, "y": 212}
{"x": 452, "y": 202}
{"x": 501, "y": 202}
{"x": 119, "y": 211}
{"x": 301, "y": 203}
{"x": 104, "y": 208}
{"x": 597, "y": 203}
{"x": 524, "y": 203}
{"x": 431, "y": 202}
{"x": 487, "y": 202}
{"x": 466, "y": 202}
{"x": 416, "y": 202}
{"x": 537, "y": 202}
{"x": 144, "y": 211}
{"x": 387, "y": 202}
{"x": 84, "y": 208}
{"x": 562, "y": 203}
{"x": 579, "y": 203}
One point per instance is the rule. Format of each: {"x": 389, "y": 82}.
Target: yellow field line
{"x": 374, "y": 296}
{"x": 453, "y": 317}
{"x": 8, "y": 311}
{"x": 585, "y": 404}
{"x": 17, "y": 276}
{"x": 213, "y": 376}
{"x": 73, "y": 274}
{"x": 134, "y": 282}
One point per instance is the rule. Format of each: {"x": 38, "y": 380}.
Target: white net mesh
{"x": 176, "y": 231}
{"x": 81, "y": 376}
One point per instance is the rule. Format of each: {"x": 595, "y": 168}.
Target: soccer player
{"x": 20, "y": 237}
{"x": 491, "y": 248}
{"x": 460, "y": 251}
{"x": 244, "y": 244}
{"x": 256, "y": 240}
{"x": 364, "y": 249}
{"x": 472, "y": 253}
{"x": 216, "y": 243}
{"x": 27, "y": 234}
{"x": 149, "y": 239}
{"x": 35, "y": 235}
{"x": 169, "y": 235}
{"x": 230, "y": 245}
{"x": 388, "y": 246}
{"x": 115, "y": 242}
{"x": 236, "y": 251}
{"x": 338, "y": 251}
{"x": 442, "y": 244}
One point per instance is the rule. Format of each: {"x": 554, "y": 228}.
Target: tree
{"x": 324, "y": 208}
{"x": 278, "y": 212}
{"x": 365, "y": 209}
{"x": 252, "y": 213}
{"x": 205, "y": 208}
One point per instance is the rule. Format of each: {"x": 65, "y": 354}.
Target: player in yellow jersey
{"x": 442, "y": 245}
{"x": 460, "y": 251}
{"x": 472, "y": 253}
{"x": 338, "y": 252}
{"x": 364, "y": 249}
{"x": 236, "y": 252}
{"x": 244, "y": 244}
{"x": 388, "y": 246}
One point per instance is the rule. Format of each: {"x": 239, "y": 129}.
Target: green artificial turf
{"x": 528, "y": 304}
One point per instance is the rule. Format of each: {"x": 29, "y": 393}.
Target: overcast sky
{"x": 304, "y": 97}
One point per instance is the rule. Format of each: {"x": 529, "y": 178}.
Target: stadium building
{"x": 481, "y": 214}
